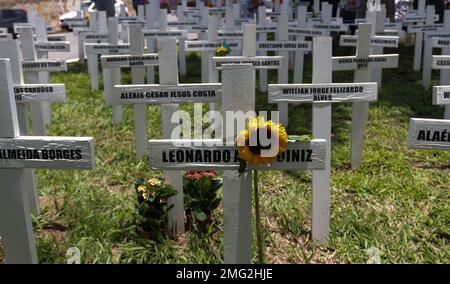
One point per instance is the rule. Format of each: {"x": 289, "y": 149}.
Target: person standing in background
{"x": 105, "y": 5}
{"x": 137, "y": 3}
{"x": 250, "y": 7}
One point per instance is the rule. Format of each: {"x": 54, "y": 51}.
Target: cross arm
{"x": 47, "y": 152}
{"x": 212, "y": 154}
{"x": 167, "y": 94}
{"x": 430, "y": 134}
{"x": 258, "y": 62}
{"x": 334, "y": 92}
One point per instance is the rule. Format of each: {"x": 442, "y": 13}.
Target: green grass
{"x": 397, "y": 201}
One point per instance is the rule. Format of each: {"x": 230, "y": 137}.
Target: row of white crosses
{"x": 433, "y": 134}
{"x": 39, "y": 93}
{"x": 322, "y": 93}
{"x": 38, "y": 37}
{"x": 43, "y": 46}
{"x": 238, "y": 94}
{"x": 95, "y": 42}
{"x": 29, "y": 94}
{"x": 239, "y": 236}
{"x": 439, "y": 40}
{"x": 441, "y": 94}
{"x": 429, "y": 134}
{"x": 19, "y": 153}
{"x": 4, "y": 34}
{"x": 168, "y": 94}
{"x": 32, "y": 66}
{"x": 424, "y": 19}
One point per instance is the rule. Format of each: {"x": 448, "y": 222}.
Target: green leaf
{"x": 304, "y": 138}
{"x": 200, "y": 215}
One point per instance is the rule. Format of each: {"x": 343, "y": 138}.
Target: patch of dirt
{"x": 301, "y": 248}
{"x": 56, "y": 234}
{"x": 429, "y": 165}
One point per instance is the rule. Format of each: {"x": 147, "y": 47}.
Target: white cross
{"x": 428, "y": 18}
{"x": 169, "y": 94}
{"x": 18, "y": 153}
{"x": 137, "y": 61}
{"x": 26, "y": 94}
{"x": 440, "y": 93}
{"x": 207, "y": 48}
{"x": 111, "y": 76}
{"x": 326, "y": 22}
{"x": 436, "y": 39}
{"x": 32, "y": 67}
{"x": 362, "y": 63}
{"x": 238, "y": 93}
{"x": 432, "y": 134}
{"x": 42, "y": 47}
{"x": 79, "y": 29}
{"x": 162, "y": 32}
{"x": 95, "y": 41}
{"x": 322, "y": 93}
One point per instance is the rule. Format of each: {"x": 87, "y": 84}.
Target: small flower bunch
{"x": 200, "y": 194}
{"x": 223, "y": 50}
{"x": 151, "y": 207}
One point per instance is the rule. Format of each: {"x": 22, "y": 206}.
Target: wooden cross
{"x": 182, "y": 52}
{"x": 441, "y": 96}
{"x": 326, "y": 21}
{"x": 137, "y": 61}
{"x": 429, "y": 20}
{"x": 283, "y": 46}
{"x": 322, "y": 93}
{"x": 111, "y": 76}
{"x": 31, "y": 66}
{"x": 152, "y": 16}
{"x": 299, "y": 54}
{"x": 249, "y": 54}
{"x": 436, "y": 39}
{"x": 78, "y": 29}
{"x": 169, "y": 93}
{"x": 208, "y": 47}
{"x": 18, "y": 153}
{"x": 440, "y": 93}
{"x": 238, "y": 94}
{"x": 96, "y": 43}
{"x": 26, "y": 94}
{"x": 362, "y": 63}
{"x": 262, "y": 29}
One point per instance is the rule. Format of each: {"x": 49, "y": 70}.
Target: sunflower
{"x": 252, "y": 154}
{"x": 222, "y": 51}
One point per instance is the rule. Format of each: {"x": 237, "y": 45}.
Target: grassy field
{"x": 397, "y": 201}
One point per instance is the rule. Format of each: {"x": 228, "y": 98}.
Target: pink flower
{"x": 196, "y": 175}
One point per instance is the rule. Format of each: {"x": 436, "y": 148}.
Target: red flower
{"x": 196, "y": 175}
